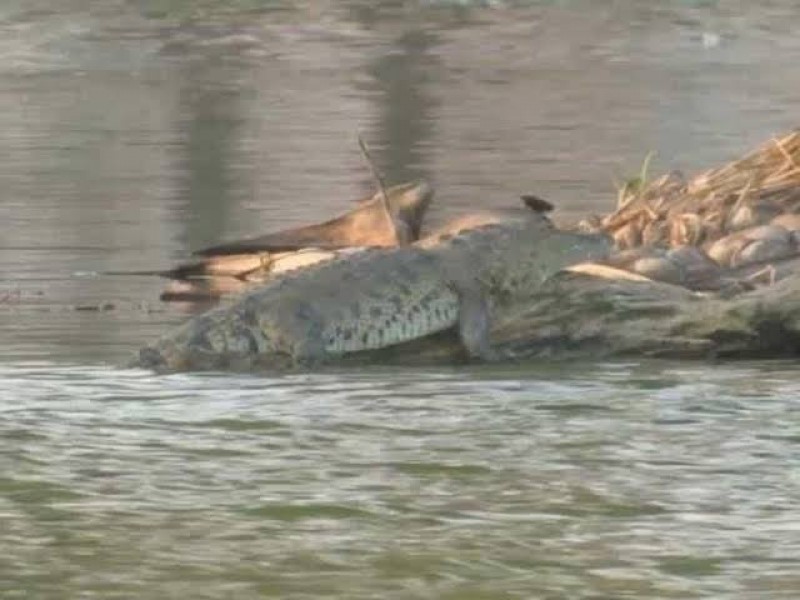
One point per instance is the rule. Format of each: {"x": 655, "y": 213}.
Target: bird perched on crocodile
{"x": 234, "y": 266}
{"x": 458, "y": 277}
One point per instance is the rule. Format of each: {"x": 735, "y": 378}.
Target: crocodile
{"x": 233, "y": 266}
{"x": 456, "y": 278}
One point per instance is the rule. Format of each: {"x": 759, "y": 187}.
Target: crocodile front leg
{"x": 474, "y": 321}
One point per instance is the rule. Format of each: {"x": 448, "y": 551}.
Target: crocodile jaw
{"x": 215, "y": 340}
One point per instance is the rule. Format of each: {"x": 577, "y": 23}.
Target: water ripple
{"x": 626, "y": 480}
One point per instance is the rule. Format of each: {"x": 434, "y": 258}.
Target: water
{"x": 620, "y": 481}
{"x": 135, "y": 131}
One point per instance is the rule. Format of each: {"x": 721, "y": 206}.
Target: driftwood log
{"x": 585, "y": 316}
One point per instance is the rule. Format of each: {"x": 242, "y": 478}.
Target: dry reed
{"x": 670, "y": 211}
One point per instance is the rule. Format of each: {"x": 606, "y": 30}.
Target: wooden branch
{"x": 580, "y": 316}
{"x": 402, "y": 237}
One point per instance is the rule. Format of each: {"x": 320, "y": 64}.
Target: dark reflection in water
{"x": 134, "y": 132}
{"x": 406, "y": 111}
{"x": 210, "y": 118}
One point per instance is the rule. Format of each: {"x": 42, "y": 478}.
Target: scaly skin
{"x": 381, "y": 297}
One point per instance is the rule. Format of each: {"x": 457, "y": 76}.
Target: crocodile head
{"x": 212, "y": 341}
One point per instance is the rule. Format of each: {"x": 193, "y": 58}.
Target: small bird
{"x": 536, "y": 204}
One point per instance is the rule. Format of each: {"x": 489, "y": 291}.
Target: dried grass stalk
{"x": 670, "y": 211}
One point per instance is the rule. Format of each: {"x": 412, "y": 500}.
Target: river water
{"x": 133, "y": 131}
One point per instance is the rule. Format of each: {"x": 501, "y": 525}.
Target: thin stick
{"x": 387, "y": 209}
